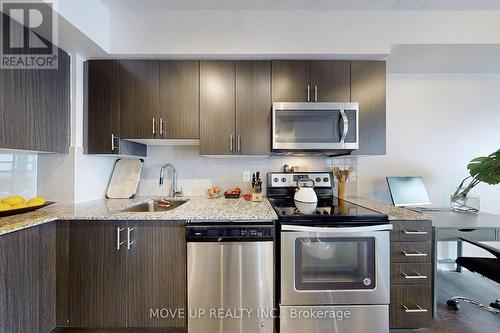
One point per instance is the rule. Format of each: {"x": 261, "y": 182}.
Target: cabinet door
{"x": 48, "y": 292}
{"x": 35, "y": 107}
{"x": 253, "y": 107}
{"x": 368, "y": 88}
{"x": 217, "y": 107}
{"x": 19, "y": 283}
{"x": 102, "y": 119}
{"x": 179, "y": 99}
{"x": 156, "y": 273}
{"x": 97, "y": 275}
{"x": 290, "y": 80}
{"x": 139, "y": 99}
{"x": 331, "y": 81}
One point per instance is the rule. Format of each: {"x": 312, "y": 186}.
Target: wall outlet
{"x": 246, "y": 176}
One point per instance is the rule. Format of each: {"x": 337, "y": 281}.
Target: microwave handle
{"x": 301, "y": 228}
{"x": 345, "y": 128}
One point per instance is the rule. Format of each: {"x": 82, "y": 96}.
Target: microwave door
{"x": 311, "y": 127}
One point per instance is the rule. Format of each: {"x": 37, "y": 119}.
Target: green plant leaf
{"x": 486, "y": 168}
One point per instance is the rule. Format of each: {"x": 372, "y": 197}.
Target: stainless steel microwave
{"x": 315, "y": 127}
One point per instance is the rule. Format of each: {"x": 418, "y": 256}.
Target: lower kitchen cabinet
{"x": 28, "y": 281}
{"x": 411, "y": 275}
{"x": 120, "y": 272}
{"x": 97, "y": 275}
{"x": 156, "y": 267}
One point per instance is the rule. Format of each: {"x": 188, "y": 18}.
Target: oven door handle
{"x": 301, "y": 228}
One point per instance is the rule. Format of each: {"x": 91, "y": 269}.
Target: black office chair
{"x": 488, "y": 267}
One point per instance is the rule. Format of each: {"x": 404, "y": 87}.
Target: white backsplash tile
{"x": 18, "y": 173}
{"x": 196, "y": 173}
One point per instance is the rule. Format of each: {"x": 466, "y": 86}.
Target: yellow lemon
{"x": 38, "y": 201}
{"x": 20, "y": 205}
{"x": 13, "y": 200}
{"x": 4, "y": 207}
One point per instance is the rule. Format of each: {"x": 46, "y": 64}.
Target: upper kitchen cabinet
{"x": 102, "y": 106}
{"x": 35, "y": 106}
{"x": 217, "y": 107}
{"x": 311, "y": 81}
{"x": 139, "y": 99}
{"x": 179, "y": 115}
{"x": 253, "y": 107}
{"x": 291, "y": 80}
{"x": 368, "y": 88}
{"x": 330, "y": 81}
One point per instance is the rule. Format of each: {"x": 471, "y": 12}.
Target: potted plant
{"x": 484, "y": 169}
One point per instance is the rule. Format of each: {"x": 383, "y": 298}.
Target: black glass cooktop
{"x": 327, "y": 210}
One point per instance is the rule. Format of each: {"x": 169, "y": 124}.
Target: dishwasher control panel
{"x": 229, "y": 233}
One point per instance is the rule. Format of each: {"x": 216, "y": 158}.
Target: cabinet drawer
{"x": 411, "y": 231}
{"x": 486, "y": 234}
{"x": 410, "y": 251}
{"x": 410, "y": 306}
{"x": 411, "y": 273}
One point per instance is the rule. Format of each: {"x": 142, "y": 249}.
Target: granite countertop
{"x": 195, "y": 209}
{"x": 394, "y": 213}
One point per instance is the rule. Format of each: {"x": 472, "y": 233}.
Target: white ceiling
{"x": 303, "y": 4}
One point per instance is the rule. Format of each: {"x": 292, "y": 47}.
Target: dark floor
{"x": 470, "y": 318}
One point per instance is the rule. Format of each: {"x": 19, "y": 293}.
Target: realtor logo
{"x": 28, "y": 34}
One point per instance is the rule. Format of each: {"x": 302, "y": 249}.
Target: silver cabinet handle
{"x": 113, "y": 138}
{"x": 315, "y": 93}
{"x": 345, "y": 124}
{"x": 129, "y": 242}
{"x": 419, "y": 309}
{"x": 417, "y": 276}
{"x": 308, "y": 93}
{"x": 231, "y": 143}
{"x": 238, "y": 143}
{"x": 415, "y": 232}
{"x": 154, "y": 126}
{"x": 119, "y": 243}
{"x": 161, "y": 126}
{"x": 414, "y": 254}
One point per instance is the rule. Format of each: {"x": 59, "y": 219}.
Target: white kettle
{"x": 305, "y": 191}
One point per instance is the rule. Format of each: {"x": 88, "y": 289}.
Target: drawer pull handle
{"x": 419, "y": 309}
{"x": 414, "y": 254}
{"x": 415, "y": 232}
{"x": 414, "y": 277}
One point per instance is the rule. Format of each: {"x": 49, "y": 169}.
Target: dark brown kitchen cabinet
{"x": 217, "y": 107}
{"x": 27, "y": 280}
{"x": 368, "y": 88}
{"x": 330, "y": 81}
{"x": 102, "y": 106}
{"x": 179, "y": 114}
{"x": 291, "y": 80}
{"x": 97, "y": 275}
{"x": 35, "y": 106}
{"x": 253, "y": 107}
{"x": 120, "y": 271}
{"x": 311, "y": 81}
{"x": 139, "y": 99}
{"x": 156, "y": 273}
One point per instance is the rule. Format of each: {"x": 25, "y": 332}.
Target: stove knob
{"x": 283, "y": 179}
{"x": 325, "y": 213}
{"x": 318, "y": 212}
{"x": 318, "y": 180}
{"x": 326, "y": 180}
{"x": 275, "y": 180}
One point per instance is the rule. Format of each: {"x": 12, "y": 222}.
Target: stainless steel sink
{"x": 155, "y": 206}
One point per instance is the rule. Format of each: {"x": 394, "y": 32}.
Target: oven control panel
{"x": 321, "y": 179}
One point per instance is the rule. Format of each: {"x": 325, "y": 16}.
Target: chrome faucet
{"x": 173, "y": 187}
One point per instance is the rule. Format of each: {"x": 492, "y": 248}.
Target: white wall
{"x": 294, "y": 33}
{"x": 436, "y": 123}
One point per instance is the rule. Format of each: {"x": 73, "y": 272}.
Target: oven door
{"x": 315, "y": 126}
{"x": 334, "y": 266}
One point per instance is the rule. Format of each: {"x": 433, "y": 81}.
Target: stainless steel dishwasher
{"x": 230, "y": 278}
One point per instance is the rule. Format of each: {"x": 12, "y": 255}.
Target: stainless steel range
{"x": 334, "y": 258}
